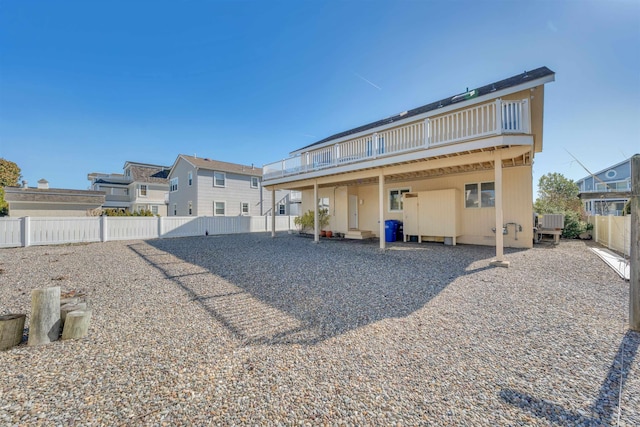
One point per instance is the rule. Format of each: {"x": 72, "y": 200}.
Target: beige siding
{"x": 475, "y": 223}
{"x": 17, "y": 210}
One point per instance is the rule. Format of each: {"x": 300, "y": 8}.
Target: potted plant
{"x": 307, "y": 221}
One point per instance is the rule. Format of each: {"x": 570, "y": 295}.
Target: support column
{"x": 381, "y": 210}
{"x": 497, "y": 167}
{"x": 273, "y": 212}
{"x": 316, "y": 231}
{"x": 634, "y": 254}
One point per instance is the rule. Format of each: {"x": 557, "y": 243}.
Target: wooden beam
{"x": 634, "y": 257}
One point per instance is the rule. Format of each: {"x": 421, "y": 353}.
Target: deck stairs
{"x": 359, "y": 234}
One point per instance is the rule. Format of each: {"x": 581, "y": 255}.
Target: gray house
{"x": 45, "y": 201}
{"x": 142, "y": 186}
{"x": 205, "y": 187}
{"x": 607, "y": 191}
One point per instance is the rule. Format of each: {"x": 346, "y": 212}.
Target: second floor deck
{"x": 499, "y": 117}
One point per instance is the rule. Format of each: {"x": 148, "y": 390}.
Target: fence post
{"x": 26, "y": 231}
{"x": 609, "y": 231}
{"x": 160, "y": 231}
{"x": 103, "y": 228}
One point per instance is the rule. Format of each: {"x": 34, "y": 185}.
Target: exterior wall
{"x": 622, "y": 172}
{"x": 17, "y": 210}
{"x": 237, "y": 190}
{"x": 475, "y": 223}
{"x": 185, "y": 192}
{"x": 155, "y": 197}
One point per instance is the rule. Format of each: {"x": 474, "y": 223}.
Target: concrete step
{"x": 359, "y": 234}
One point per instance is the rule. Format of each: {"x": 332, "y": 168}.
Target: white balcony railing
{"x": 472, "y": 123}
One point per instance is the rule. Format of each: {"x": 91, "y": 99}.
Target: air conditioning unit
{"x": 552, "y": 221}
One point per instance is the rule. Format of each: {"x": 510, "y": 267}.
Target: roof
{"x": 53, "y": 195}
{"x": 149, "y": 173}
{"x": 484, "y": 90}
{"x": 208, "y": 164}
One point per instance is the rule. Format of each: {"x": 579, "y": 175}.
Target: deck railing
{"x": 471, "y": 123}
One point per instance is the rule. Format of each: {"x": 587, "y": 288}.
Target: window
{"x": 487, "y": 193}
{"x": 190, "y": 178}
{"x": 282, "y": 209}
{"x": 143, "y": 190}
{"x": 323, "y": 203}
{"x": 254, "y": 182}
{"x": 175, "y": 209}
{"x": 219, "y": 208}
{"x": 244, "y": 208}
{"x": 613, "y": 186}
{"x": 219, "y": 179}
{"x": 173, "y": 186}
{"x": 395, "y": 199}
{"x": 154, "y": 210}
{"x": 190, "y": 207}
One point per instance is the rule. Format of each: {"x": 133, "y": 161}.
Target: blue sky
{"x": 86, "y": 86}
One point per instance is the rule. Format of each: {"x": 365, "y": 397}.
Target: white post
{"x": 381, "y": 210}
{"x": 609, "y": 233}
{"x": 498, "y": 117}
{"x": 273, "y": 212}
{"x": 104, "y": 233}
{"x": 497, "y": 166}
{"x": 426, "y": 132}
{"x": 160, "y": 230}
{"x": 26, "y": 231}
{"x": 316, "y": 232}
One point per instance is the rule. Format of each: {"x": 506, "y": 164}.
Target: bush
{"x": 126, "y": 212}
{"x": 306, "y": 221}
{"x": 573, "y": 225}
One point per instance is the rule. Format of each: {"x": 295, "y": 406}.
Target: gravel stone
{"x": 251, "y": 330}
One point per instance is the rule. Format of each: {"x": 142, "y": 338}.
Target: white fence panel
{"x": 132, "y": 228}
{"x": 10, "y": 232}
{"x": 55, "y": 231}
{"x": 179, "y": 226}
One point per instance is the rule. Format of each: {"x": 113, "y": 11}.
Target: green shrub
{"x": 573, "y": 225}
{"x": 306, "y": 221}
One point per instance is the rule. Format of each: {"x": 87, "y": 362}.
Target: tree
{"x": 559, "y": 195}
{"x": 9, "y": 177}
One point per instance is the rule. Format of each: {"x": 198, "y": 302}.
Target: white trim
{"x": 224, "y": 177}
{"x": 458, "y": 105}
{"x": 399, "y": 189}
{"x": 177, "y": 181}
{"x": 478, "y": 185}
{"x": 242, "y": 208}
{"x": 419, "y": 154}
{"x": 190, "y": 178}
{"x": 257, "y": 182}
{"x": 214, "y": 208}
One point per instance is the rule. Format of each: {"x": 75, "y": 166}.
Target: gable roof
{"x": 527, "y": 76}
{"x": 143, "y": 172}
{"x": 216, "y": 165}
{"x": 607, "y": 168}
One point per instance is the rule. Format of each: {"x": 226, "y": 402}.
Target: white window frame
{"x": 190, "y": 178}
{"x": 242, "y": 206}
{"x": 146, "y": 190}
{"x": 255, "y": 182}
{"x": 190, "y": 207}
{"x": 282, "y": 209}
{"x": 175, "y": 209}
{"x": 224, "y": 204}
{"x": 478, "y": 204}
{"x": 224, "y": 179}
{"x": 173, "y": 185}
{"x": 154, "y": 209}
{"x": 400, "y": 191}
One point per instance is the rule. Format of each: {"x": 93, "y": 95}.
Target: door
{"x": 353, "y": 212}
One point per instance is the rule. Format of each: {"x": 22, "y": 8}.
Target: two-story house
{"x": 141, "y": 186}
{"x": 606, "y": 192}
{"x": 205, "y": 187}
{"x": 466, "y": 159}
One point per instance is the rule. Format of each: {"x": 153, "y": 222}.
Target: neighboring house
{"x": 453, "y": 144}
{"x": 606, "y": 192}
{"x": 45, "y": 201}
{"x": 205, "y": 187}
{"x": 141, "y": 187}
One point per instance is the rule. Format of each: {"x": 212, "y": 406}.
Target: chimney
{"x": 43, "y": 184}
{"x": 25, "y": 184}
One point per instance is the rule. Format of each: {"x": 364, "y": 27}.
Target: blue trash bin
{"x": 390, "y": 228}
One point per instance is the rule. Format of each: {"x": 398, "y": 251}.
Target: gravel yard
{"x": 250, "y": 330}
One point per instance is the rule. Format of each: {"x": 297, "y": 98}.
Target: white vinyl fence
{"x": 27, "y": 231}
